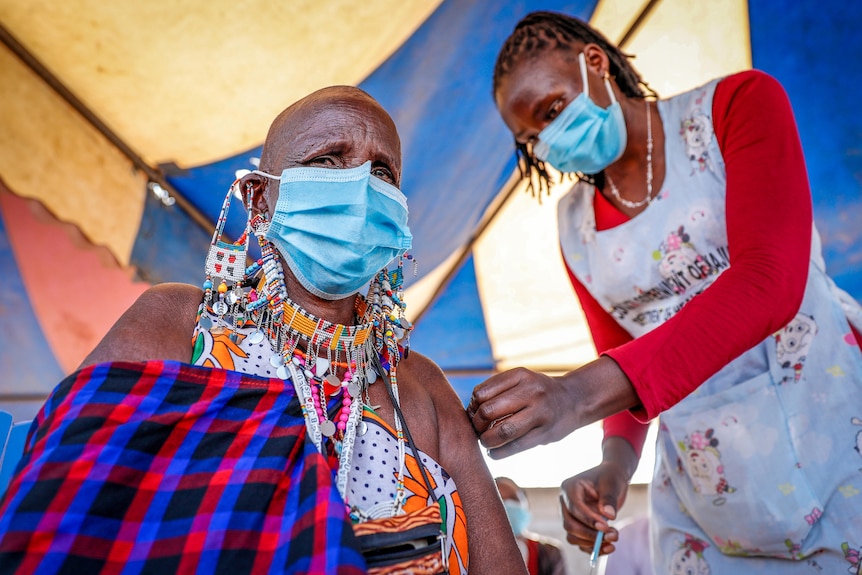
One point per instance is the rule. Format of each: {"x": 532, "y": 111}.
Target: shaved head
{"x": 336, "y": 113}
{"x": 510, "y": 490}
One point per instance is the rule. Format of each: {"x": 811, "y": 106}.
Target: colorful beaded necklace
{"x": 309, "y": 350}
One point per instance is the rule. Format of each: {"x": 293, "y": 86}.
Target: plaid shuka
{"x": 162, "y": 467}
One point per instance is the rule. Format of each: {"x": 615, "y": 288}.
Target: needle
{"x": 594, "y": 558}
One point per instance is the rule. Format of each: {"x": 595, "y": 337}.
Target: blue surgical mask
{"x": 585, "y": 137}
{"x": 519, "y": 516}
{"x": 336, "y": 229}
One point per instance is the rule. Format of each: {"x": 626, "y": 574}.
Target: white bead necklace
{"x": 648, "y": 199}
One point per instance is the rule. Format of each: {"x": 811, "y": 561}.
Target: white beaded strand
{"x": 648, "y": 199}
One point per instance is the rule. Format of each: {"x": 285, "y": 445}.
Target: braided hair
{"x": 541, "y": 31}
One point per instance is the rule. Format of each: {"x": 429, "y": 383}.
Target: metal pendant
{"x": 362, "y": 429}
{"x": 220, "y": 308}
{"x": 327, "y": 428}
{"x": 255, "y": 337}
{"x": 282, "y": 373}
{"x": 206, "y": 322}
{"x": 321, "y": 366}
{"x": 354, "y": 389}
{"x": 371, "y": 375}
{"x": 275, "y": 360}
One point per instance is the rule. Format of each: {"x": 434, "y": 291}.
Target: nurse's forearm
{"x": 599, "y": 389}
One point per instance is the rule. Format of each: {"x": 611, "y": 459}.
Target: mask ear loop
{"x": 611, "y": 93}
{"x": 265, "y": 175}
{"x": 583, "y": 62}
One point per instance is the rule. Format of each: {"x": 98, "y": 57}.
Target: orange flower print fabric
{"x": 217, "y": 350}
{"x": 374, "y": 475}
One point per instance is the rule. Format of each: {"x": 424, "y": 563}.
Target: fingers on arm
{"x": 512, "y": 411}
{"x": 513, "y": 435}
{"x": 494, "y": 398}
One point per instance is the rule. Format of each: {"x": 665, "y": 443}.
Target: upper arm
{"x": 769, "y": 213}
{"x": 491, "y": 542}
{"x": 157, "y": 326}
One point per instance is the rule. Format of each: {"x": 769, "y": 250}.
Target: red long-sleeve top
{"x": 768, "y": 218}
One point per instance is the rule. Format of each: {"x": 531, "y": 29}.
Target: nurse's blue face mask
{"x": 585, "y": 137}
{"x": 337, "y": 228}
{"x": 519, "y": 515}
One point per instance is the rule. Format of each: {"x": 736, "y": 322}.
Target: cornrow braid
{"x": 541, "y": 31}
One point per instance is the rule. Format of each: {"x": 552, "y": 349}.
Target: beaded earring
{"x": 385, "y": 299}
{"x": 225, "y": 260}
{"x": 225, "y": 267}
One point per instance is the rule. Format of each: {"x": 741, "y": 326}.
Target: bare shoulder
{"x": 426, "y": 374}
{"x": 448, "y": 417}
{"x": 158, "y": 325}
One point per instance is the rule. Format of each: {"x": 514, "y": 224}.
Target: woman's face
{"x": 538, "y": 88}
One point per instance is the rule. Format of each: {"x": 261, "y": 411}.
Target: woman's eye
{"x": 555, "y": 109}
{"x": 383, "y": 174}
{"x": 322, "y": 161}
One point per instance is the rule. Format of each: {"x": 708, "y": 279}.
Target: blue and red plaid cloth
{"x": 162, "y": 467}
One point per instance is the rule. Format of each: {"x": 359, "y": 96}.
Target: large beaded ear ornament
{"x": 385, "y": 298}
{"x": 225, "y": 266}
{"x": 227, "y": 260}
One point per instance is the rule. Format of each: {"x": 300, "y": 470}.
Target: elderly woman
{"x": 245, "y": 428}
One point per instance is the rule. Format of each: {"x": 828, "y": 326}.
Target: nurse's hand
{"x": 592, "y": 498}
{"x": 519, "y": 409}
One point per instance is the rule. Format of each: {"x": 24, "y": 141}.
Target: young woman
{"x": 689, "y": 241}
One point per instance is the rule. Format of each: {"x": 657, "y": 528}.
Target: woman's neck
{"x": 334, "y": 311}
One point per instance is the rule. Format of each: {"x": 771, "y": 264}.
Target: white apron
{"x": 759, "y": 470}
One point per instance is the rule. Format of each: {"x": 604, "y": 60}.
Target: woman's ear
{"x": 597, "y": 60}
{"x": 254, "y": 186}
